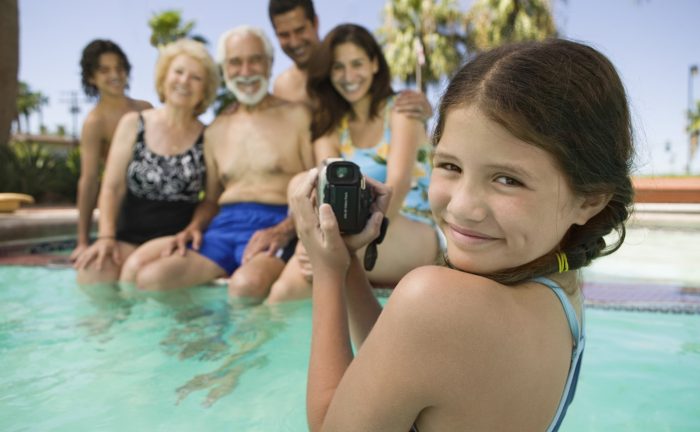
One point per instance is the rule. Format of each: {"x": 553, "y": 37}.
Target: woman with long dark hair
{"x": 350, "y": 81}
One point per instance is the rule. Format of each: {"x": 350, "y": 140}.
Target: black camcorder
{"x": 342, "y": 185}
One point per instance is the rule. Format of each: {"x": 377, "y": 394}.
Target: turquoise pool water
{"x": 73, "y": 360}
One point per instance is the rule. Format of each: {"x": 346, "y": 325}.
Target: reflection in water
{"x": 112, "y": 308}
{"x": 199, "y": 333}
{"x": 238, "y": 335}
{"x": 230, "y": 332}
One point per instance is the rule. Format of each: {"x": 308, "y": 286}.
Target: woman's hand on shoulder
{"x": 414, "y": 104}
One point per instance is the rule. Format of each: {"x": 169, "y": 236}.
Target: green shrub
{"x": 31, "y": 169}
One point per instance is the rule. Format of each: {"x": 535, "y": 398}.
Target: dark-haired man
{"x": 105, "y": 75}
{"x": 296, "y": 26}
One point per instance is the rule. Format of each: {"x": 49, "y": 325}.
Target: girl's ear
{"x": 591, "y": 206}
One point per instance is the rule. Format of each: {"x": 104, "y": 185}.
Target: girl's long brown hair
{"x": 567, "y": 99}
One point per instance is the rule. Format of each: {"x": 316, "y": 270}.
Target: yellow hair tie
{"x": 562, "y": 261}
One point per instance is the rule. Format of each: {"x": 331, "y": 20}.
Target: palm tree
{"x": 9, "y": 64}
{"x": 22, "y": 105}
{"x": 693, "y": 130}
{"x": 167, "y": 26}
{"x": 491, "y": 23}
{"x": 423, "y": 40}
{"x": 43, "y": 101}
{"x": 28, "y": 102}
{"x": 429, "y": 39}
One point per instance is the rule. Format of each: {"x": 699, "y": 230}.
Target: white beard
{"x": 246, "y": 98}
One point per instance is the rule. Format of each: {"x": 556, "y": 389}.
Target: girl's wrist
{"x": 331, "y": 272}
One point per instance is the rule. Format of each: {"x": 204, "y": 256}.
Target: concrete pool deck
{"x": 38, "y": 236}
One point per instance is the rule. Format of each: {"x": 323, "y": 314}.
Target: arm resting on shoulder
{"x": 414, "y": 104}
{"x": 406, "y": 136}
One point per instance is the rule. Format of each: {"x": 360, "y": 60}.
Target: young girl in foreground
{"x": 531, "y": 171}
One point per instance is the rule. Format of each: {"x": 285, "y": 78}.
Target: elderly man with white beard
{"x": 242, "y": 228}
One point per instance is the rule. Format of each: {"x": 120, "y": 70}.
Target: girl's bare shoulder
{"x": 433, "y": 280}
{"x": 440, "y": 295}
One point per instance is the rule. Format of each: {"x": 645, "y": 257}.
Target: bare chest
{"x": 266, "y": 146}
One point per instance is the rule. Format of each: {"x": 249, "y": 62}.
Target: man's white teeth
{"x": 247, "y": 85}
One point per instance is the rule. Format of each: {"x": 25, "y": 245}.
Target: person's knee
{"x": 278, "y": 291}
{"x": 248, "y": 284}
{"x": 151, "y": 278}
{"x": 89, "y": 275}
{"x": 131, "y": 268}
{"x": 92, "y": 276}
{"x": 285, "y": 290}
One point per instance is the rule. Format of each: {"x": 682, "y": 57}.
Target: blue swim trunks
{"x": 229, "y": 232}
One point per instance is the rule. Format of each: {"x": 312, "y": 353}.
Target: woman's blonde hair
{"x": 198, "y": 52}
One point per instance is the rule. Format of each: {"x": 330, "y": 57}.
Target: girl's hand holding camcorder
{"x": 318, "y": 228}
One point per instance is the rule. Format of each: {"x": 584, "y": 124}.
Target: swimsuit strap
{"x": 575, "y": 366}
{"x": 344, "y": 130}
{"x": 566, "y": 304}
{"x": 578, "y": 335}
{"x": 140, "y": 143}
{"x": 142, "y": 127}
{"x": 387, "y": 118}
{"x": 200, "y": 139}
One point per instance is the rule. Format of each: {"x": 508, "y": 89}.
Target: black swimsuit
{"x": 162, "y": 191}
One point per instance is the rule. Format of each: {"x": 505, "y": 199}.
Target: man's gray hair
{"x": 243, "y": 31}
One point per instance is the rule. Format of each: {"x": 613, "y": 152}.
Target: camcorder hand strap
{"x": 371, "y": 252}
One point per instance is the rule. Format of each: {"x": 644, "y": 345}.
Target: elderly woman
{"x": 155, "y": 169}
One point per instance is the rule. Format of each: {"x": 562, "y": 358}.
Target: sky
{"x": 652, "y": 43}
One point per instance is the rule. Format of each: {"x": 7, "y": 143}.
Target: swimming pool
{"x": 74, "y": 360}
